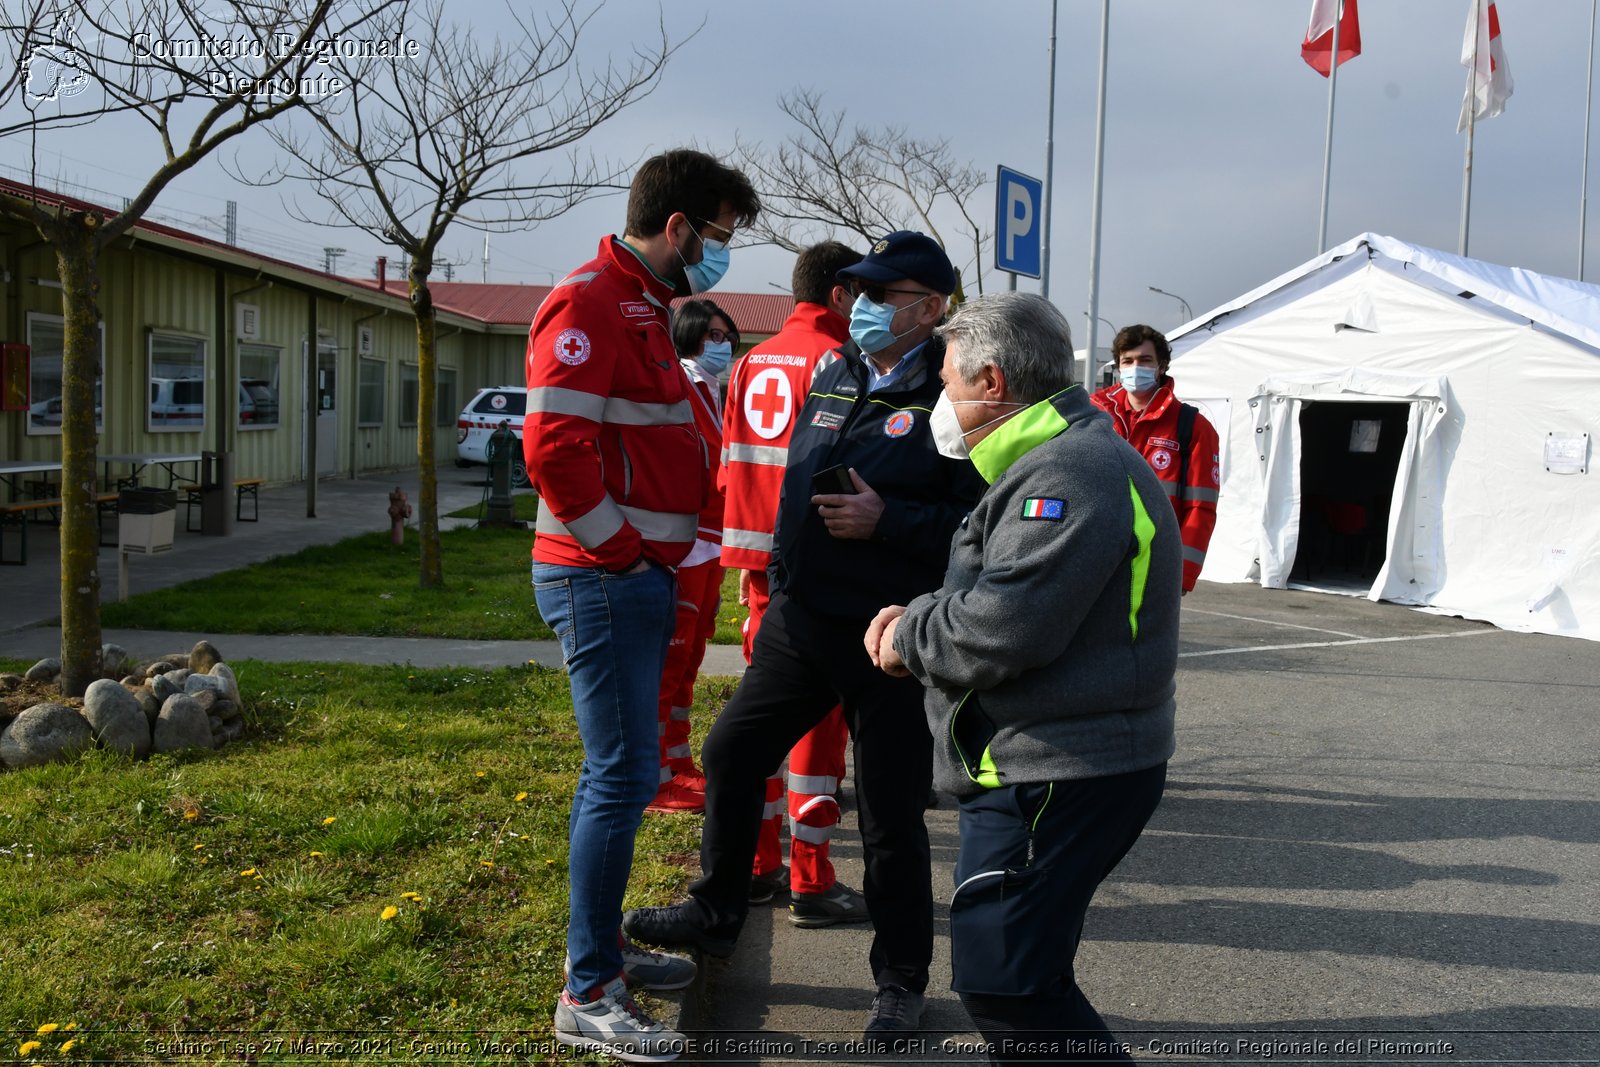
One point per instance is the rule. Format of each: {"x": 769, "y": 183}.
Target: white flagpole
{"x": 1099, "y": 182}
{"x": 1472, "y": 120}
{"x": 1327, "y": 149}
{"x": 1049, "y": 164}
{"x": 1588, "y": 108}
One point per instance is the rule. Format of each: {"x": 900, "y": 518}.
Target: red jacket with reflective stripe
{"x": 609, "y": 435}
{"x": 766, "y": 391}
{"x": 708, "y": 421}
{"x": 1154, "y": 432}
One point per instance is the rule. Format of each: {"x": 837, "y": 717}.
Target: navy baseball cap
{"x": 905, "y": 254}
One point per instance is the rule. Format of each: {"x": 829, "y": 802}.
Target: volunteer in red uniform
{"x": 622, "y": 475}
{"x": 1177, "y": 441}
{"x": 766, "y": 391}
{"x": 705, "y": 338}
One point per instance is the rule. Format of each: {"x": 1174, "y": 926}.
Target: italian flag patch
{"x": 1043, "y": 507}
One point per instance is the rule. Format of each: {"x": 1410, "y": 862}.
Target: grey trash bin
{"x": 216, "y": 493}
{"x": 145, "y": 519}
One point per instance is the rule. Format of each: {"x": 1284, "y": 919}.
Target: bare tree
{"x": 199, "y": 74}
{"x": 830, "y": 176}
{"x": 418, "y": 146}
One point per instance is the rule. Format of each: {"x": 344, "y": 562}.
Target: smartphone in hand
{"x": 835, "y": 479}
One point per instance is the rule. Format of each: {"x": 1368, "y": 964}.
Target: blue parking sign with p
{"x": 1018, "y": 223}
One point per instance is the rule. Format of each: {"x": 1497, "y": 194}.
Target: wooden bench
{"x": 20, "y": 513}
{"x": 242, "y": 488}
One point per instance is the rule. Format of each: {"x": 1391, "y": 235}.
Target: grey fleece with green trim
{"x": 1050, "y": 651}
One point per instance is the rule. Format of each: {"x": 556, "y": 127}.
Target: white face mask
{"x": 948, "y": 436}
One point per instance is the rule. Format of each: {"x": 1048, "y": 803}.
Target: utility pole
{"x": 330, "y": 258}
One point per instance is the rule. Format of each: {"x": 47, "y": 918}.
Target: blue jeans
{"x": 614, "y": 631}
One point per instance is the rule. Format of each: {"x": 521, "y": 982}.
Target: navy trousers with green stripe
{"x": 1031, "y": 858}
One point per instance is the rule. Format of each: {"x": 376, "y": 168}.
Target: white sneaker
{"x": 614, "y": 1024}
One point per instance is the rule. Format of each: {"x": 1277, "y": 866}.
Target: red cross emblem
{"x": 768, "y": 403}
{"x": 572, "y": 347}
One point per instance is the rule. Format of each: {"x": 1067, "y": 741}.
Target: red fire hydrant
{"x": 399, "y": 512}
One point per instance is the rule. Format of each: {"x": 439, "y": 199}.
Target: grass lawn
{"x": 381, "y": 860}
{"x": 365, "y": 586}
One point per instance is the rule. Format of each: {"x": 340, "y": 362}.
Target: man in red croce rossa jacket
{"x": 621, "y": 473}
{"x": 1154, "y": 421}
{"x": 765, "y": 394}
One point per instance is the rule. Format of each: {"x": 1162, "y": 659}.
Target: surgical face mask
{"x": 1137, "y": 379}
{"x": 948, "y": 436}
{"x": 714, "y": 259}
{"x": 715, "y": 357}
{"x": 870, "y": 323}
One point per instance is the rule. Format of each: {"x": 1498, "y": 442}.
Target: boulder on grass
{"x": 42, "y": 734}
{"x": 116, "y": 718}
{"x": 148, "y": 704}
{"x": 181, "y": 725}
{"x": 164, "y": 686}
{"x": 113, "y": 660}
{"x": 230, "y": 681}
{"x": 44, "y": 670}
{"x": 196, "y": 683}
{"x": 203, "y": 656}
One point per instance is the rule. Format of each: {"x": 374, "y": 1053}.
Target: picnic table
{"x": 12, "y": 472}
{"x": 138, "y": 461}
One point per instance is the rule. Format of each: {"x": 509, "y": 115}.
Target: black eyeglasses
{"x": 716, "y": 336}
{"x": 878, "y": 293}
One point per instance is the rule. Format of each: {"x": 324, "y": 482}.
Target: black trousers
{"x": 801, "y": 665}
{"x": 1031, "y": 858}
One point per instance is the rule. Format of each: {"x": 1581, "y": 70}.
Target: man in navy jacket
{"x": 866, "y": 518}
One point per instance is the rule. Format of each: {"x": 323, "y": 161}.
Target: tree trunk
{"x": 77, "y": 259}
{"x": 427, "y": 371}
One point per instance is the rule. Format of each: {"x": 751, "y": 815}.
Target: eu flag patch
{"x": 1043, "y": 507}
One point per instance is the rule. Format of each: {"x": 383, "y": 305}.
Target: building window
{"x": 446, "y": 410}
{"x": 46, "y": 342}
{"x": 177, "y": 383}
{"x": 369, "y": 393}
{"x": 408, "y": 394}
{"x": 260, "y": 377}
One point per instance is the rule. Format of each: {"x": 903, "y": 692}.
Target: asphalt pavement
{"x": 1380, "y": 840}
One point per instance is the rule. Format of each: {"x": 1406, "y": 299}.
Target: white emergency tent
{"x": 1421, "y": 424}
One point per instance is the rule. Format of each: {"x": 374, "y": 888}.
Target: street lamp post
{"x": 1187, "y": 313}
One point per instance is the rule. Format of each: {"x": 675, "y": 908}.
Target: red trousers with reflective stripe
{"x": 699, "y": 592}
{"x": 815, "y": 761}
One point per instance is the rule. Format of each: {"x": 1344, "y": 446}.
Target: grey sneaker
{"x": 614, "y": 1024}
{"x": 841, "y": 904}
{"x": 763, "y": 887}
{"x": 895, "y": 1010}
{"x": 655, "y": 970}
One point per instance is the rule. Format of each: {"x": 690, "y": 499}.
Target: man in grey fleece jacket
{"x": 1049, "y": 655}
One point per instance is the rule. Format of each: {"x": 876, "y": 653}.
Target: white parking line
{"x": 1335, "y": 644}
{"x": 1270, "y": 622}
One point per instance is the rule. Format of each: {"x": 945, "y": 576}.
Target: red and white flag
{"x": 1318, "y": 47}
{"x": 1488, "y": 74}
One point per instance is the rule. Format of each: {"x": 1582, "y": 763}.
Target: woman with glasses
{"x": 706, "y": 339}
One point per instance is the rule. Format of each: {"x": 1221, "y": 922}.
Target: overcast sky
{"x": 1214, "y": 141}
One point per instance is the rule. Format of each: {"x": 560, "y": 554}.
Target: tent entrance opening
{"x": 1349, "y": 459}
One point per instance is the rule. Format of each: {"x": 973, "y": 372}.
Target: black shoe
{"x": 841, "y": 904}
{"x": 678, "y": 924}
{"x": 895, "y": 1010}
{"x": 763, "y": 887}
